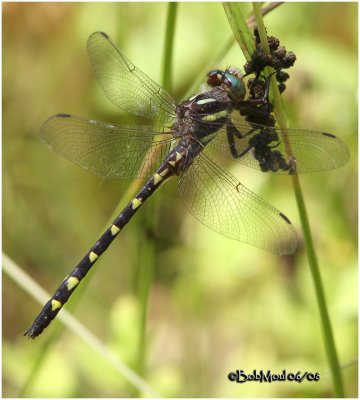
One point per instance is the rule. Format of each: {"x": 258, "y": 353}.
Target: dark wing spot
{"x": 285, "y": 218}
{"x": 63, "y": 115}
{"x": 329, "y": 134}
{"x": 104, "y": 34}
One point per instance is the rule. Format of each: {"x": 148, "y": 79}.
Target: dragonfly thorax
{"x": 201, "y": 116}
{"x": 205, "y": 104}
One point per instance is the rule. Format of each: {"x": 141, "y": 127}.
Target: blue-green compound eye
{"x": 234, "y": 86}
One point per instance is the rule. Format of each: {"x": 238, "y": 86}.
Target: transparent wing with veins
{"x": 106, "y": 150}
{"x": 313, "y": 151}
{"x": 219, "y": 201}
{"x": 126, "y": 85}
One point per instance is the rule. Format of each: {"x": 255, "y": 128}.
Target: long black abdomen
{"x": 70, "y": 283}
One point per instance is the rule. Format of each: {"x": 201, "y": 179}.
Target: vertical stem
{"x": 329, "y": 342}
{"x": 168, "y": 46}
{"x": 148, "y": 246}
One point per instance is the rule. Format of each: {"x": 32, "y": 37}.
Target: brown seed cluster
{"x": 278, "y": 59}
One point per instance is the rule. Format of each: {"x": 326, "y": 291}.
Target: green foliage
{"x": 215, "y": 305}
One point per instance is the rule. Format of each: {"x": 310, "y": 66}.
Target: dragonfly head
{"x": 231, "y": 80}
{"x": 214, "y": 77}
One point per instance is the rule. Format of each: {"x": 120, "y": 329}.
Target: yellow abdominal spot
{"x": 157, "y": 178}
{"x": 114, "y": 230}
{"x": 93, "y": 256}
{"x": 55, "y": 304}
{"x": 72, "y": 282}
{"x": 136, "y": 203}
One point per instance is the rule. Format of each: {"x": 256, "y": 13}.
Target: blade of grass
{"x": 329, "y": 342}
{"x": 56, "y": 330}
{"x": 32, "y": 288}
{"x": 240, "y": 28}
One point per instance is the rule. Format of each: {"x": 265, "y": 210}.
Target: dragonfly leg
{"x": 231, "y": 132}
{"x": 267, "y": 88}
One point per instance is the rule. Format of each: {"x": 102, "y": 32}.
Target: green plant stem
{"x": 329, "y": 342}
{"x": 146, "y": 266}
{"x": 168, "y": 46}
{"x": 228, "y": 44}
{"x": 147, "y": 258}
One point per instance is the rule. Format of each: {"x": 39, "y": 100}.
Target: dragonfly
{"x": 182, "y": 142}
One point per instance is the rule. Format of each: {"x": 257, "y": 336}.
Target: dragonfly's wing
{"x": 109, "y": 151}
{"x": 126, "y": 85}
{"x": 309, "y": 151}
{"x": 223, "y": 204}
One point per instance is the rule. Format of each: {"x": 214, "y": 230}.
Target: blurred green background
{"x": 215, "y": 305}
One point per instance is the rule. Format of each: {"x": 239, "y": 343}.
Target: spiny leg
{"x": 231, "y": 133}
